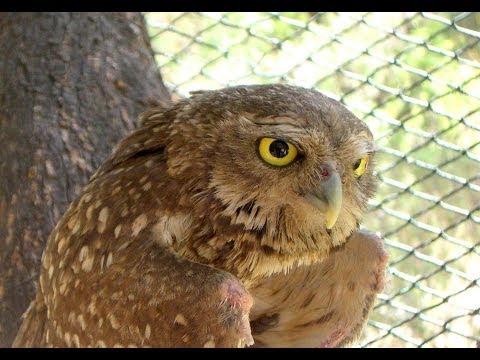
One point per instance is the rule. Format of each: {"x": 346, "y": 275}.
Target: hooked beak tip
{"x": 332, "y": 217}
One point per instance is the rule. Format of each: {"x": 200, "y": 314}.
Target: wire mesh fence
{"x": 414, "y": 78}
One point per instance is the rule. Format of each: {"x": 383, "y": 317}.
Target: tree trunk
{"x": 71, "y": 86}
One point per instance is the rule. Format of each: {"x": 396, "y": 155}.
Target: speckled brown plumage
{"x": 184, "y": 235}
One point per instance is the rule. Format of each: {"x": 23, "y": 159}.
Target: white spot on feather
{"x": 67, "y": 339}
{"x": 114, "y": 322}
{"x": 60, "y": 245}
{"x": 171, "y": 228}
{"x": 180, "y": 319}
{"x": 71, "y": 222}
{"x": 102, "y": 219}
{"x": 139, "y": 224}
{"x": 117, "y": 230}
{"x": 76, "y": 340}
{"x": 81, "y": 322}
{"x": 91, "y": 308}
{"x": 76, "y": 227}
{"x": 89, "y": 211}
{"x": 109, "y": 260}
{"x": 50, "y": 272}
{"x": 83, "y": 253}
{"x": 209, "y": 344}
{"x": 87, "y": 264}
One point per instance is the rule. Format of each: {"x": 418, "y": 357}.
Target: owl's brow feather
{"x": 281, "y": 127}
{"x": 296, "y": 122}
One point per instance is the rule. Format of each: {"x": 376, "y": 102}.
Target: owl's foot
{"x": 369, "y": 250}
{"x": 379, "y": 269}
{"x": 322, "y": 305}
{"x": 237, "y": 303}
{"x": 362, "y": 261}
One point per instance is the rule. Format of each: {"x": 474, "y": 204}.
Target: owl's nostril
{"x": 326, "y": 170}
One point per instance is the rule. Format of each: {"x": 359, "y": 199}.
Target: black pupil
{"x": 357, "y": 164}
{"x": 279, "y": 149}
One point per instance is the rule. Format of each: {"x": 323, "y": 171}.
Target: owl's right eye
{"x": 360, "y": 166}
{"x": 277, "y": 152}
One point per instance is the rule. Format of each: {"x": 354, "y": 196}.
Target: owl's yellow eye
{"x": 277, "y": 152}
{"x": 360, "y": 166}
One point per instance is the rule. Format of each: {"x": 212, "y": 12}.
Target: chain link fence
{"x": 414, "y": 78}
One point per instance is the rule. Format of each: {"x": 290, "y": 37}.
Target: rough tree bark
{"x": 71, "y": 85}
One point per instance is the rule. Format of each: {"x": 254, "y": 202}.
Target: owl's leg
{"x": 323, "y": 305}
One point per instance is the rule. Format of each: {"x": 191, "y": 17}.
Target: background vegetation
{"x": 414, "y": 78}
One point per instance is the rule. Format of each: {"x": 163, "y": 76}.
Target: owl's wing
{"x": 106, "y": 280}
{"x": 322, "y": 305}
{"x": 153, "y": 299}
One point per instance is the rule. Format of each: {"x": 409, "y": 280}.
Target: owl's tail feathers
{"x": 32, "y": 330}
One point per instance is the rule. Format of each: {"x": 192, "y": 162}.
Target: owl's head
{"x": 274, "y": 175}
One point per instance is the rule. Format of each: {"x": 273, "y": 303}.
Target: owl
{"x": 229, "y": 219}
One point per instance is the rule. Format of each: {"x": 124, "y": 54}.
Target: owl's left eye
{"x": 277, "y": 152}
{"x": 360, "y": 166}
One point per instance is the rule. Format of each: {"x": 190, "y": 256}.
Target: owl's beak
{"x": 328, "y": 198}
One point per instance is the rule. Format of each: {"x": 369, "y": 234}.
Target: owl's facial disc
{"x": 327, "y": 196}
